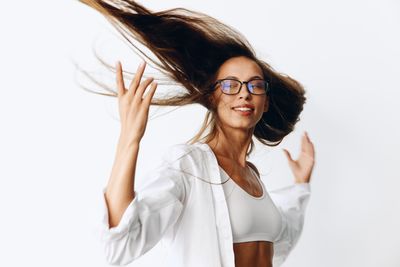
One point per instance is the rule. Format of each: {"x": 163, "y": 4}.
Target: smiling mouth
{"x": 243, "y": 109}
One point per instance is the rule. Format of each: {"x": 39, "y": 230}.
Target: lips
{"x": 244, "y": 107}
{"x": 244, "y": 110}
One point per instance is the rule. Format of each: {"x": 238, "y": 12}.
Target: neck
{"x": 232, "y": 144}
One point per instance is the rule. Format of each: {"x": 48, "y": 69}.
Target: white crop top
{"x": 252, "y": 218}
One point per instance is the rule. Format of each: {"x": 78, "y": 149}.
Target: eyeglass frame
{"x": 241, "y": 84}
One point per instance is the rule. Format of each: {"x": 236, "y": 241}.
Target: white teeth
{"x": 243, "y": 109}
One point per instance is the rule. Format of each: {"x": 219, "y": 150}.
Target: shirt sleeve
{"x": 155, "y": 208}
{"x": 291, "y": 202}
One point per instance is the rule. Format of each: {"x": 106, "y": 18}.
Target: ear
{"x": 266, "y": 104}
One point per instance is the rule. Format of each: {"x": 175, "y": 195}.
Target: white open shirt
{"x": 190, "y": 217}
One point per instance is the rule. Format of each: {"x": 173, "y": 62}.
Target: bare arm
{"x": 133, "y": 110}
{"x": 120, "y": 187}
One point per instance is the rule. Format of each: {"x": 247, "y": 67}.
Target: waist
{"x": 253, "y": 253}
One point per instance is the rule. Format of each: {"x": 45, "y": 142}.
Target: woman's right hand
{"x": 133, "y": 107}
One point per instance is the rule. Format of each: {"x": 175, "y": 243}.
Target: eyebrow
{"x": 256, "y": 76}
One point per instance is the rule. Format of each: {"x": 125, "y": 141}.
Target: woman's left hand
{"x": 303, "y": 166}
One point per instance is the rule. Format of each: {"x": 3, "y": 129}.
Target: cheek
{"x": 224, "y": 106}
{"x": 224, "y": 112}
{"x": 221, "y": 103}
{"x": 224, "y": 103}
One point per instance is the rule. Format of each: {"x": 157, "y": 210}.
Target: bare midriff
{"x": 254, "y": 253}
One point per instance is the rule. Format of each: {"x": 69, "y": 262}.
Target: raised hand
{"x": 133, "y": 107}
{"x": 303, "y": 166}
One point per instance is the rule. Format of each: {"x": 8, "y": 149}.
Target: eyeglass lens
{"x": 233, "y": 86}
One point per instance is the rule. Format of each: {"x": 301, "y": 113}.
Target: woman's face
{"x": 242, "y": 69}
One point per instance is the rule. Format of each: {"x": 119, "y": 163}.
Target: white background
{"x": 58, "y": 142}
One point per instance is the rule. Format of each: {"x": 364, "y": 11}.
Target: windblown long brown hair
{"x": 190, "y": 47}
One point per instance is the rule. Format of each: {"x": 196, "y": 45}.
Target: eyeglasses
{"x": 233, "y": 86}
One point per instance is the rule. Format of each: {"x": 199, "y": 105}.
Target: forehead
{"x": 240, "y": 67}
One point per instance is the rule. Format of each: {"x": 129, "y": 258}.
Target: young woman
{"x": 206, "y": 203}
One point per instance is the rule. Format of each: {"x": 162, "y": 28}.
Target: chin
{"x": 242, "y": 125}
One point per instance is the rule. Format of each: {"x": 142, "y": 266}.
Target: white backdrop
{"x": 58, "y": 142}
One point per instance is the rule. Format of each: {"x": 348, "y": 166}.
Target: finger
{"x": 120, "y": 79}
{"x": 305, "y": 142}
{"x": 309, "y": 149}
{"x": 288, "y": 156}
{"x": 136, "y": 80}
{"x": 309, "y": 143}
{"x": 142, "y": 87}
{"x": 147, "y": 98}
{"x": 308, "y": 137}
{"x": 304, "y": 138}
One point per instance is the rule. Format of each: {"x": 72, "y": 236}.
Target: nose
{"x": 244, "y": 91}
